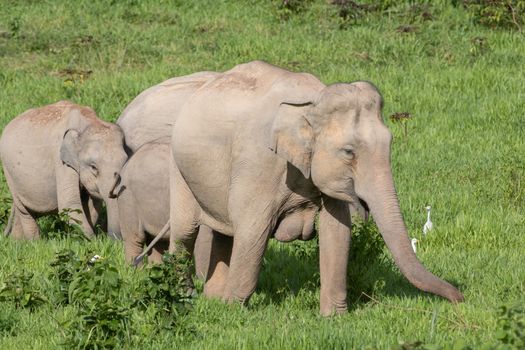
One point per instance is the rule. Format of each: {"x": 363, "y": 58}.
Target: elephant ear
{"x": 70, "y": 149}
{"x": 293, "y": 136}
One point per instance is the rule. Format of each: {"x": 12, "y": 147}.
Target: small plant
{"x": 62, "y": 225}
{"x": 65, "y": 267}
{"x": 8, "y": 320}
{"x": 288, "y": 8}
{"x": 479, "y": 46}
{"x": 19, "y": 289}
{"x": 401, "y": 118}
{"x": 366, "y": 249}
{"x": 511, "y": 323}
{"x": 349, "y": 12}
{"x": 419, "y": 345}
{"x": 108, "y": 309}
{"x": 14, "y": 26}
{"x": 497, "y": 13}
{"x": 167, "y": 285}
{"x": 102, "y": 319}
{"x": 5, "y": 209}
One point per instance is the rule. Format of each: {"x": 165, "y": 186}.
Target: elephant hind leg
{"x": 21, "y": 224}
{"x": 219, "y": 265}
{"x": 24, "y": 223}
{"x": 17, "y": 231}
{"x": 131, "y": 229}
{"x": 157, "y": 251}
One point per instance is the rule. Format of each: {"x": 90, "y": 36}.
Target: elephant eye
{"x": 93, "y": 169}
{"x": 349, "y": 152}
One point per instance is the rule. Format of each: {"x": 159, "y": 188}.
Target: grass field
{"x": 462, "y": 83}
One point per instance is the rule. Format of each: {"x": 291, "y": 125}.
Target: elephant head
{"x": 95, "y": 150}
{"x": 340, "y": 141}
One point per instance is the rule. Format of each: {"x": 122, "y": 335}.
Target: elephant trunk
{"x": 385, "y": 209}
{"x": 113, "y": 219}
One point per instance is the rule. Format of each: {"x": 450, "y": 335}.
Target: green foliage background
{"x": 460, "y": 78}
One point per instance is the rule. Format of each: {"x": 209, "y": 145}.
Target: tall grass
{"x": 462, "y": 83}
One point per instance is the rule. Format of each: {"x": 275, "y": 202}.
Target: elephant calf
{"x": 57, "y": 157}
{"x": 143, "y": 202}
{"x": 143, "y": 199}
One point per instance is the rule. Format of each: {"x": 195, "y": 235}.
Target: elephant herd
{"x": 227, "y": 160}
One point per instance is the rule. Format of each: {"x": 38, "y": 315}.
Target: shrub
{"x": 497, "y": 13}
{"x": 20, "y": 289}
{"x": 102, "y": 319}
{"x": 9, "y": 318}
{"x": 366, "y": 250}
{"x": 288, "y": 8}
{"x": 5, "y": 209}
{"x": 65, "y": 268}
{"x": 511, "y": 323}
{"x": 62, "y": 225}
{"x": 108, "y": 310}
{"x": 167, "y": 285}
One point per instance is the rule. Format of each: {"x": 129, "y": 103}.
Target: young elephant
{"x": 143, "y": 199}
{"x": 57, "y": 157}
{"x": 143, "y": 202}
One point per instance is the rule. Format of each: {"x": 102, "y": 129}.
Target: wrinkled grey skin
{"x": 150, "y": 116}
{"x": 143, "y": 202}
{"x": 258, "y": 144}
{"x": 56, "y": 157}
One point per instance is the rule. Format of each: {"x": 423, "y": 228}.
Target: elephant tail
{"x": 161, "y": 234}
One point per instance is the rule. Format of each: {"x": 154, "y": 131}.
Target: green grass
{"x": 463, "y": 155}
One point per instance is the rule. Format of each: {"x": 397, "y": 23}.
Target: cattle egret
{"x": 428, "y": 225}
{"x": 94, "y": 258}
{"x": 414, "y": 241}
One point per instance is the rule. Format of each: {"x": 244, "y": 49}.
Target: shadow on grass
{"x": 292, "y": 270}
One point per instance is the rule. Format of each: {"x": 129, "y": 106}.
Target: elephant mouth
{"x": 366, "y": 209}
{"x": 359, "y": 205}
{"x": 341, "y": 195}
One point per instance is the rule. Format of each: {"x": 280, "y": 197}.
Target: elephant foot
{"x": 330, "y": 307}
{"x": 214, "y": 287}
{"x": 233, "y": 299}
{"x": 213, "y": 291}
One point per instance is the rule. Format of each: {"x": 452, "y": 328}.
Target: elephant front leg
{"x": 334, "y": 244}
{"x": 249, "y": 245}
{"x": 69, "y": 197}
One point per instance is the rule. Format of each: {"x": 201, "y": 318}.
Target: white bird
{"x": 428, "y": 225}
{"x": 414, "y": 241}
{"x": 94, "y": 258}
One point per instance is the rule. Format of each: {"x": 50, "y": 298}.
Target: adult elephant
{"x": 148, "y": 119}
{"x": 57, "y": 157}
{"x": 258, "y": 144}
